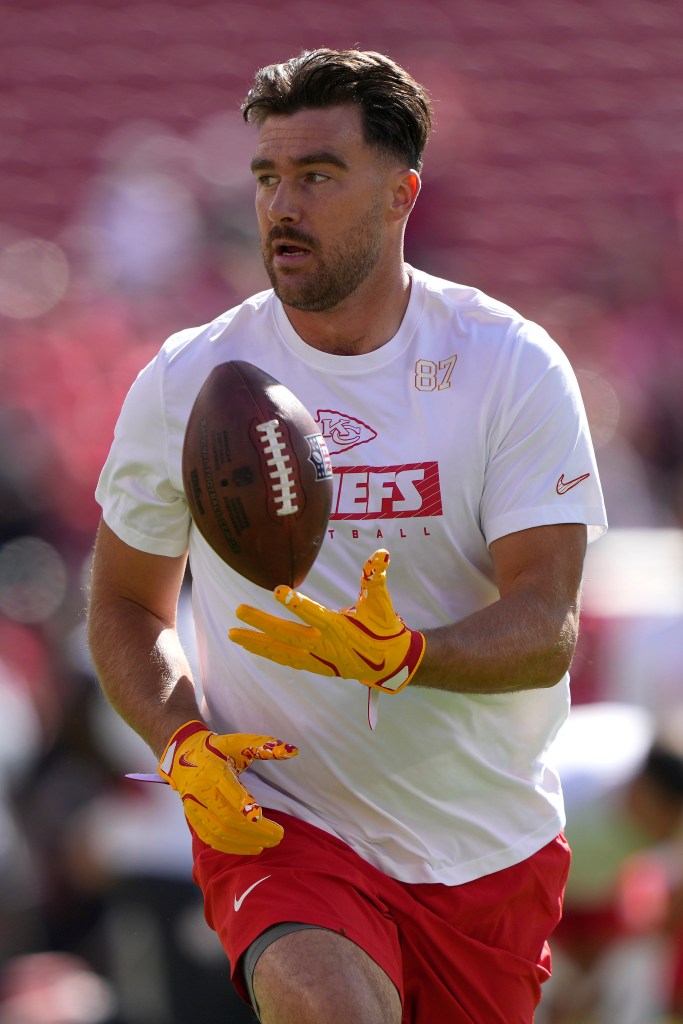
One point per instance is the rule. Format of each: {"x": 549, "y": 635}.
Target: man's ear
{"x": 405, "y": 190}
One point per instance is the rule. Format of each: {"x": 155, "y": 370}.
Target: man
{"x": 411, "y": 873}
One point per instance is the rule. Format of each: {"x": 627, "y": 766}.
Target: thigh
{"x": 315, "y": 976}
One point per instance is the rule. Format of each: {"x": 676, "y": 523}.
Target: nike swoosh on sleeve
{"x": 562, "y": 485}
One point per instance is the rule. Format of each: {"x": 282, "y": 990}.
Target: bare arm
{"x": 133, "y": 639}
{"x": 526, "y": 639}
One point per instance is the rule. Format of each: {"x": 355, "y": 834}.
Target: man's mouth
{"x": 287, "y": 251}
{"x": 289, "y": 247}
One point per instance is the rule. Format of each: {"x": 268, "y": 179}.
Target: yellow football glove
{"x": 204, "y": 768}
{"x": 368, "y": 642}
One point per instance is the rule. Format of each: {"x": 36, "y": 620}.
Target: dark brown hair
{"x": 396, "y": 110}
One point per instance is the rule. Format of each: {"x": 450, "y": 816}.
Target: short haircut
{"x": 395, "y": 109}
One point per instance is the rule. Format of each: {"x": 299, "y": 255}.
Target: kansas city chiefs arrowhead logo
{"x": 341, "y": 431}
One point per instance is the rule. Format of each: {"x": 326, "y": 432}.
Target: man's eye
{"x": 266, "y": 179}
{"x": 316, "y": 177}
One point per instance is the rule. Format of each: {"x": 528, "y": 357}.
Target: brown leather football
{"x": 257, "y": 475}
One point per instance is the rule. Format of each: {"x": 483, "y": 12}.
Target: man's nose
{"x": 284, "y": 207}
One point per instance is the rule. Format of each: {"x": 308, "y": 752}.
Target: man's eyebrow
{"x": 322, "y": 156}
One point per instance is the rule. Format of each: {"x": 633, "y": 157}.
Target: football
{"x": 257, "y": 475}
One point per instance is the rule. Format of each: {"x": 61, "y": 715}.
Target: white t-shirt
{"x": 466, "y": 426}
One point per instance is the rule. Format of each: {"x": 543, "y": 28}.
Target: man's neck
{"x": 365, "y": 321}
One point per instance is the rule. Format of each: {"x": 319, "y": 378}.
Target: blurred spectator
{"x": 20, "y": 741}
{"x": 130, "y": 847}
{"x": 615, "y": 952}
{"x": 142, "y": 217}
{"x": 54, "y": 988}
{"x": 127, "y": 851}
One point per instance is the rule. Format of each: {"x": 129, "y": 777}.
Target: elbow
{"x": 557, "y": 657}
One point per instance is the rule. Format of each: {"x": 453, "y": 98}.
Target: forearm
{"x": 520, "y": 642}
{"x": 142, "y": 669}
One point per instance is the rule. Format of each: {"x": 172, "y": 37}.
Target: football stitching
{"x": 281, "y": 473}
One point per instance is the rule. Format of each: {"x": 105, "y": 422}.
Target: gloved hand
{"x": 368, "y": 642}
{"x": 204, "y": 768}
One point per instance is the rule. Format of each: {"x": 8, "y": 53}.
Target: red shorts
{"x": 468, "y": 954}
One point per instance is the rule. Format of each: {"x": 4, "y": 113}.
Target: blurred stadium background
{"x": 554, "y": 181}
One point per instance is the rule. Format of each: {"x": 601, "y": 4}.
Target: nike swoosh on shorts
{"x": 238, "y": 901}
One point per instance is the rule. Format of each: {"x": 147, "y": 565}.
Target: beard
{"x": 347, "y": 263}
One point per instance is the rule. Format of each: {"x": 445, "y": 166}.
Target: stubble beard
{"x": 348, "y": 264}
